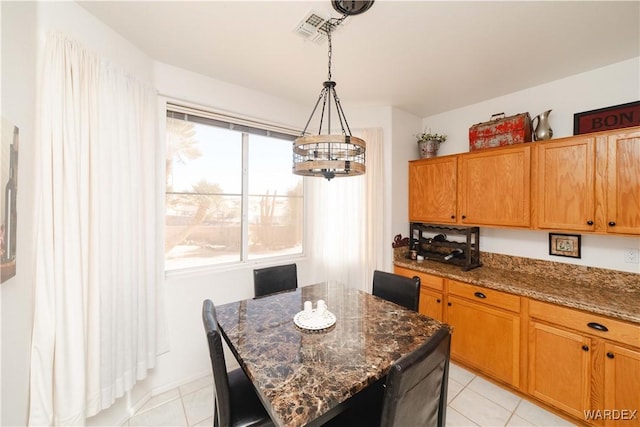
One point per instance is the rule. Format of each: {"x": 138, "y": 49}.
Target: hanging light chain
{"x": 331, "y": 24}
{"x": 329, "y": 55}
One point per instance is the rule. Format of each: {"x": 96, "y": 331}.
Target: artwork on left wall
{"x": 8, "y": 211}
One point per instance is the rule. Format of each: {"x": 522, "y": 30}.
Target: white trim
{"x": 186, "y": 107}
{"x": 204, "y": 270}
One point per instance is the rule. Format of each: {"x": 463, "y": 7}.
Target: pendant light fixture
{"x": 331, "y": 155}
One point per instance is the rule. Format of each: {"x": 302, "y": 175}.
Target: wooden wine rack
{"x": 427, "y": 240}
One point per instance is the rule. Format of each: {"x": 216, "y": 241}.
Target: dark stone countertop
{"x": 600, "y": 291}
{"x": 302, "y": 376}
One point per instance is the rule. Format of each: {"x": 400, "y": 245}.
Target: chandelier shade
{"x": 329, "y": 155}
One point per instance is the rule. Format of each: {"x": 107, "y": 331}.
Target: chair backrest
{"x": 402, "y": 290}
{"x": 220, "y": 379}
{"x": 275, "y": 279}
{"x": 416, "y": 387}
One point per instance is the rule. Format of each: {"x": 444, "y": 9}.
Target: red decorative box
{"x": 499, "y": 131}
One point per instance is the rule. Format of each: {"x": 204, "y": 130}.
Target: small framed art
{"x": 564, "y": 245}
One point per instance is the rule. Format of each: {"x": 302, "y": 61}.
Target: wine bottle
{"x": 453, "y": 253}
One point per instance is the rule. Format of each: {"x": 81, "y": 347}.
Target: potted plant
{"x": 429, "y": 143}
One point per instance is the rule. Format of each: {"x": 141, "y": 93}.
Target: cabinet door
{"x": 431, "y": 304}
{"x": 565, "y": 185}
{"x": 432, "y": 190}
{"x": 622, "y": 386}
{"x": 485, "y": 338}
{"x": 623, "y": 183}
{"x": 559, "y": 368}
{"x": 494, "y": 187}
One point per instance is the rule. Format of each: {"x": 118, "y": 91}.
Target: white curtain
{"x": 347, "y": 231}
{"x": 96, "y": 276}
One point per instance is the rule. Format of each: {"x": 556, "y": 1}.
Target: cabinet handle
{"x": 464, "y": 217}
{"x": 453, "y": 217}
{"x": 438, "y": 301}
{"x": 589, "y": 222}
{"x": 612, "y": 223}
{"x": 449, "y": 304}
{"x": 480, "y": 295}
{"x": 585, "y": 347}
{"x": 597, "y": 326}
{"x": 610, "y": 355}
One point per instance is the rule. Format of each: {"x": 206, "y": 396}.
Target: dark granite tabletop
{"x": 303, "y": 376}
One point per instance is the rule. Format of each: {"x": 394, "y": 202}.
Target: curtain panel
{"x": 347, "y": 231}
{"x": 97, "y": 278}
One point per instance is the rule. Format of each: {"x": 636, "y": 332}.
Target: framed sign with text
{"x": 609, "y": 118}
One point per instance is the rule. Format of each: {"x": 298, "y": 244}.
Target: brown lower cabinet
{"x": 581, "y": 365}
{"x": 486, "y": 334}
{"x": 560, "y": 368}
{"x": 431, "y": 296}
{"x": 621, "y": 383}
{"x": 586, "y": 365}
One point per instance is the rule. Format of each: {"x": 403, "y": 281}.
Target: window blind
{"x": 230, "y": 122}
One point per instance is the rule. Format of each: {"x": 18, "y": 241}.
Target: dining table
{"x": 307, "y": 373}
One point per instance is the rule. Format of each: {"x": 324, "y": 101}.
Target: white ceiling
{"x": 424, "y": 57}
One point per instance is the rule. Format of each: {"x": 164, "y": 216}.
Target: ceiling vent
{"x": 314, "y": 27}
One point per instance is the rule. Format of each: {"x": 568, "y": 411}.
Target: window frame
{"x": 245, "y": 125}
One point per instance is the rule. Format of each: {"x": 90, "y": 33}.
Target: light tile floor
{"x": 472, "y": 401}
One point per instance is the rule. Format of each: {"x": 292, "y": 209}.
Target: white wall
{"x": 16, "y": 294}
{"x": 405, "y": 127}
{"x": 612, "y": 85}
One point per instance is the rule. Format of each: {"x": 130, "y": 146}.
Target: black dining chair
{"x": 416, "y": 388}
{"x": 269, "y": 280}
{"x": 236, "y": 403}
{"x": 402, "y": 290}
{"x": 415, "y": 392}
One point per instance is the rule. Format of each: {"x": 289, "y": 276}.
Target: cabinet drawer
{"x": 592, "y": 324}
{"x": 485, "y": 295}
{"x": 426, "y": 280}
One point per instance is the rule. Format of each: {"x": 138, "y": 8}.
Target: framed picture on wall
{"x": 564, "y": 245}
{"x": 8, "y": 212}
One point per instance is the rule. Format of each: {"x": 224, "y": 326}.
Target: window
{"x": 230, "y": 193}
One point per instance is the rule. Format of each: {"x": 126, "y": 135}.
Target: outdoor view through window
{"x": 217, "y": 214}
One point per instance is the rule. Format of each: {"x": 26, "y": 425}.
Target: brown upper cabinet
{"x": 489, "y": 188}
{"x": 622, "y": 188}
{"x": 494, "y": 187}
{"x": 564, "y": 184}
{"x": 433, "y": 190}
{"x": 589, "y": 183}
